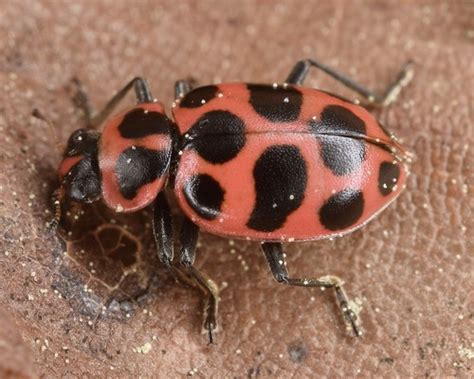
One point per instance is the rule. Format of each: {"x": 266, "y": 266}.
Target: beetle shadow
{"x": 103, "y": 263}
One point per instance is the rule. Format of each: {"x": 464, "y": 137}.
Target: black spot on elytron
{"x": 140, "y": 123}
{"x": 389, "y": 173}
{"x": 342, "y": 155}
{"x": 204, "y": 195}
{"x": 341, "y": 134}
{"x": 137, "y": 166}
{"x": 199, "y": 96}
{"x": 217, "y": 136}
{"x": 342, "y": 209}
{"x": 280, "y": 182}
{"x": 338, "y": 120}
{"x": 82, "y": 183}
{"x": 277, "y": 104}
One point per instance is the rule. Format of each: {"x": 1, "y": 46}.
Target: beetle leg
{"x": 188, "y": 238}
{"x": 181, "y": 88}
{"x": 94, "y": 120}
{"x": 276, "y": 260}
{"x": 163, "y": 233}
{"x": 405, "y": 75}
{"x": 163, "y": 230}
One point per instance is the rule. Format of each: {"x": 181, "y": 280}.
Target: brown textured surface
{"x": 412, "y": 267}
{"x": 15, "y": 358}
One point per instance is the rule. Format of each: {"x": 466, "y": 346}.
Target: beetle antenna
{"x": 57, "y": 198}
{"x": 52, "y": 130}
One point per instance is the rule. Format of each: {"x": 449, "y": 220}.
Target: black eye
{"x": 82, "y": 141}
{"x": 78, "y": 137}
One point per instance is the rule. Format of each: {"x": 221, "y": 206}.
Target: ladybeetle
{"x": 271, "y": 163}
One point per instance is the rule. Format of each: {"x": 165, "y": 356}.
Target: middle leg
{"x": 187, "y": 273}
{"x": 188, "y": 238}
{"x": 276, "y": 260}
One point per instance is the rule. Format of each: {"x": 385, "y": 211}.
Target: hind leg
{"x": 276, "y": 260}
{"x": 405, "y": 75}
{"x": 189, "y": 236}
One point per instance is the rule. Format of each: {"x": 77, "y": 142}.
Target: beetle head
{"x": 79, "y": 169}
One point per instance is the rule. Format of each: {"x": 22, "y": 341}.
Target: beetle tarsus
{"x": 210, "y": 336}
{"x": 276, "y": 260}
{"x": 350, "y": 316}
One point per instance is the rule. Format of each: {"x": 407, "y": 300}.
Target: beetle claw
{"x": 210, "y": 336}
{"x": 353, "y": 321}
{"x": 350, "y": 316}
{"x": 210, "y": 328}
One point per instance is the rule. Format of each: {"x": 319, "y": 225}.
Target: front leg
{"x": 276, "y": 260}
{"x": 94, "y": 120}
{"x": 188, "y": 239}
